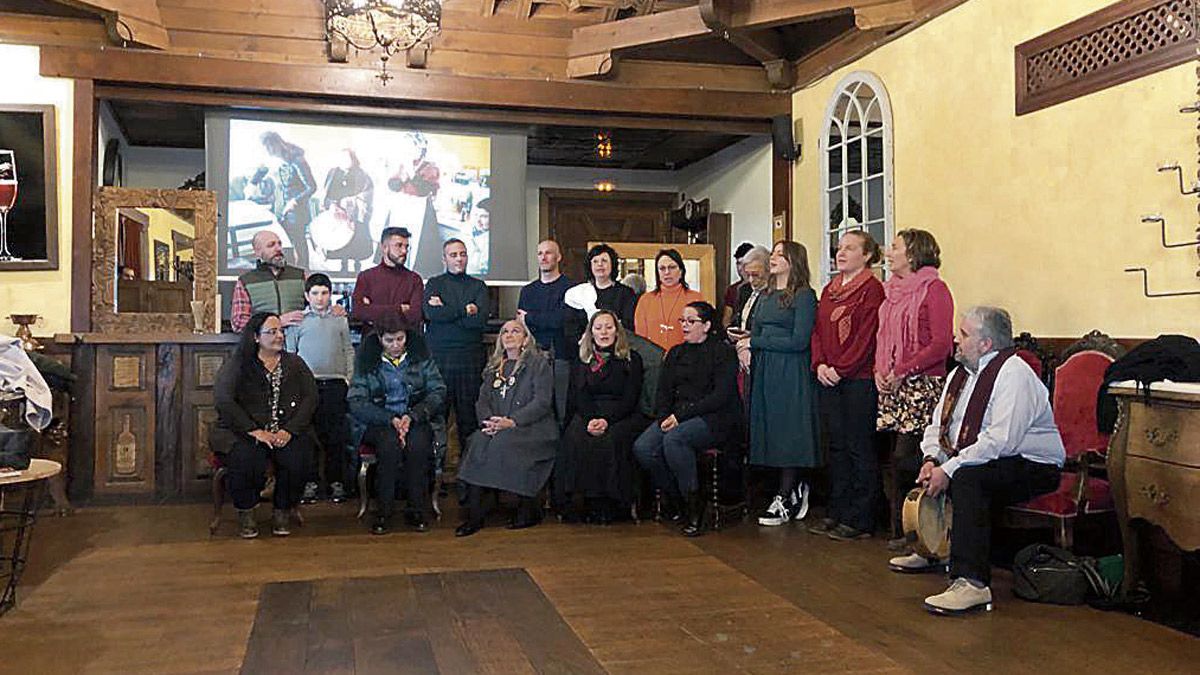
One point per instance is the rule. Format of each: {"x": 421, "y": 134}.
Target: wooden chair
{"x": 1032, "y": 353}
{"x": 1077, "y": 381}
{"x": 716, "y": 513}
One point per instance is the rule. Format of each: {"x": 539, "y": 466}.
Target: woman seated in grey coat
{"x": 515, "y": 445}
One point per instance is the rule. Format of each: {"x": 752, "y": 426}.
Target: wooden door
{"x": 575, "y": 217}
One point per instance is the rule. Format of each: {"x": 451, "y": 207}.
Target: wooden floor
{"x": 144, "y": 589}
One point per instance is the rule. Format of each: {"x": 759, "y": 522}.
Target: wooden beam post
{"x": 83, "y": 182}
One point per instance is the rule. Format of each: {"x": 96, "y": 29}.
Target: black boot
{"x": 694, "y": 527}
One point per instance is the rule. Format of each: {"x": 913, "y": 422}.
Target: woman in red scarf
{"x": 915, "y": 339}
{"x": 843, "y": 357}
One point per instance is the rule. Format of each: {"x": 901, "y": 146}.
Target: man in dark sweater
{"x": 541, "y": 307}
{"x": 389, "y": 287}
{"x": 456, "y": 310}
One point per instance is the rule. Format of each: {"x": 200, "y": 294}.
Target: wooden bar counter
{"x": 143, "y": 405}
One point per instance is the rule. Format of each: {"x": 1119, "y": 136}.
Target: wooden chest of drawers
{"x": 1154, "y": 466}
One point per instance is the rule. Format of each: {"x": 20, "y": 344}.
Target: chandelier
{"x": 392, "y": 25}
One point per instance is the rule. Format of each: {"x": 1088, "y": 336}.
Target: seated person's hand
{"x": 282, "y": 438}
{"x": 939, "y": 481}
{"x": 472, "y": 309}
{"x": 435, "y": 301}
{"x": 402, "y": 424}
{"x": 597, "y": 427}
{"x": 502, "y": 423}
{"x": 263, "y": 436}
{"x": 669, "y": 423}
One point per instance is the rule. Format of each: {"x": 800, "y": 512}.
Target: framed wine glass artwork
{"x": 28, "y": 188}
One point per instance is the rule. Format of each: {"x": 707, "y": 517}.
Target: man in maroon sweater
{"x": 390, "y": 287}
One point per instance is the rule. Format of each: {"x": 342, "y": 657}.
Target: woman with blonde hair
{"x": 515, "y": 445}
{"x": 783, "y": 400}
{"x": 595, "y": 458}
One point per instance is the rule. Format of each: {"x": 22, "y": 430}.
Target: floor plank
{"x": 145, "y": 590}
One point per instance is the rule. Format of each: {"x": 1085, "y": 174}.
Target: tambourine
{"x": 927, "y": 521}
{"x": 332, "y": 229}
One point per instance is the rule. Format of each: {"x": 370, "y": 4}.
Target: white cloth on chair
{"x": 19, "y": 375}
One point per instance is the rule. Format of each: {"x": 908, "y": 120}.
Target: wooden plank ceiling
{"x": 734, "y": 45}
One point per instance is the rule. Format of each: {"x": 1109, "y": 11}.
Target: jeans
{"x": 670, "y": 456}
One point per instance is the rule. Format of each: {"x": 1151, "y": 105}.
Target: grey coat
{"x": 516, "y": 460}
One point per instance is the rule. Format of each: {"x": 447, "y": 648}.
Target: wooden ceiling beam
{"x": 341, "y": 81}
{"x": 133, "y": 22}
{"x": 638, "y": 31}
{"x": 887, "y": 15}
{"x": 771, "y": 13}
{"x": 765, "y": 46}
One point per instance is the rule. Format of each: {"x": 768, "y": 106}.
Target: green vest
{"x": 270, "y": 293}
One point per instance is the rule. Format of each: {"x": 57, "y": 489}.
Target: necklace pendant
{"x": 665, "y": 327}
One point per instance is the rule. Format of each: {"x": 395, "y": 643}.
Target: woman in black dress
{"x": 596, "y": 455}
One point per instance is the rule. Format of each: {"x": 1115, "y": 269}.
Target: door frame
{"x": 546, "y": 195}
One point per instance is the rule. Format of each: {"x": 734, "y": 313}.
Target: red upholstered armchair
{"x": 1076, "y": 382}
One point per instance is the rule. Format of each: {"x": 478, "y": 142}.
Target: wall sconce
{"x": 604, "y": 186}
{"x": 604, "y": 146}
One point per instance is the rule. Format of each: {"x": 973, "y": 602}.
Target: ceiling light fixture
{"x": 392, "y": 25}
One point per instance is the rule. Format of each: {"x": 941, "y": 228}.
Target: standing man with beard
{"x": 390, "y": 287}
{"x": 272, "y": 286}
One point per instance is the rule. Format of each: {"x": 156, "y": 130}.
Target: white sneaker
{"x": 960, "y": 598}
{"x": 799, "y": 501}
{"x": 776, "y": 514}
{"x": 915, "y": 563}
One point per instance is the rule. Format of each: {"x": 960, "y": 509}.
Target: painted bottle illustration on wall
{"x": 125, "y": 460}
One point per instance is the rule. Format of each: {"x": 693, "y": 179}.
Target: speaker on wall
{"x": 782, "y": 140}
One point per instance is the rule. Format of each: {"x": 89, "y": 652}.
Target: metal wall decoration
{"x": 1119, "y": 43}
{"x": 392, "y": 26}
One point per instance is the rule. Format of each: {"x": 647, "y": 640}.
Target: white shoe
{"x": 960, "y": 598}
{"x": 776, "y": 514}
{"x": 799, "y": 501}
{"x": 915, "y": 563}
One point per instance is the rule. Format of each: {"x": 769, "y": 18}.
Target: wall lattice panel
{"x": 1119, "y": 43}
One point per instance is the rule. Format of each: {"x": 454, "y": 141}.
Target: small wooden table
{"x": 20, "y": 496}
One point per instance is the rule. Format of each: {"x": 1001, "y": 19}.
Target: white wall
{"x": 737, "y": 180}
{"x": 166, "y": 168}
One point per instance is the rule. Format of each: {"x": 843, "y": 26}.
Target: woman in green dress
{"x": 783, "y": 401}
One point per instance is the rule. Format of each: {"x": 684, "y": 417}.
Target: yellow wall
{"x": 47, "y": 293}
{"x": 1038, "y": 213}
{"x": 162, "y": 224}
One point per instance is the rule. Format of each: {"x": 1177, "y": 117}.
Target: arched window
{"x": 856, "y": 178}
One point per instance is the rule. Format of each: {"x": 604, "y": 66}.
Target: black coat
{"x": 611, "y": 393}
{"x": 243, "y": 400}
{"x": 700, "y": 380}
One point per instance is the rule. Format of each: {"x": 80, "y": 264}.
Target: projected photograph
{"x": 328, "y": 191}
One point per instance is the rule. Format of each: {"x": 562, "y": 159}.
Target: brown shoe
{"x": 844, "y": 532}
{"x": 823, "y": 526}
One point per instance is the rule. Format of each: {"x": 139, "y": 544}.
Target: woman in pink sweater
{"x": 916, "y": 337}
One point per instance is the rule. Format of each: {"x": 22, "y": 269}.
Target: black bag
{"x": 14, "y": 448}
{"x": 1049, "y": 574}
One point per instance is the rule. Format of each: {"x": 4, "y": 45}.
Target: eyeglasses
{"x": 685, "y": 321}
{"x": 271, "y": 331}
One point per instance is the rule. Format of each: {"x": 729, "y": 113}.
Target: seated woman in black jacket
{"x": 595, "y": 457}
{"x": 696, "y": 409}
{"x": 394, "y": 395}
{"x": 265, "y": 398}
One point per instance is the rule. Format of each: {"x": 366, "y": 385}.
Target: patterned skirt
{"x": 909, "y": 409}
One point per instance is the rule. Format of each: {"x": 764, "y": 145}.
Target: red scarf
{"x": 845, "y": 298}
{"x": 899, "y": 317}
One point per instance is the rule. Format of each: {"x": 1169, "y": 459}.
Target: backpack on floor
{"x": 1043, "y": 573}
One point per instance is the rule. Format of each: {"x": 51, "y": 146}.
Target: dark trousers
{"x": 333, "y": 433}
{"x": 904, "y": 465}
{"x": 848, "y": 412}
{"x": 413, "y": 460}
{"x": 463, "y": 373}
{"x": 246, "y": 465}
{"x": 528, "y": 509}
{"x": 670, "y": 456}
{"x": 977, "y": 492}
